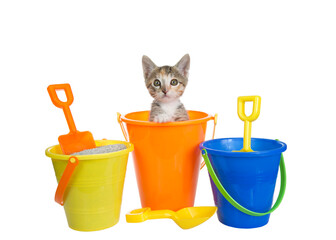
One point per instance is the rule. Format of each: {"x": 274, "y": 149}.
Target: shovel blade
{"x": 193, "y": 216}
{"x": 76, "y": 142}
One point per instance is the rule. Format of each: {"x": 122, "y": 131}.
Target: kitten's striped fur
{"x": 166, "y": 106}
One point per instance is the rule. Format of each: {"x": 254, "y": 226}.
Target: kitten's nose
{"x": 164, "y": 91}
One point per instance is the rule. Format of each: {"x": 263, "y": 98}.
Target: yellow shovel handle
{"x": 248, "y": 120}
{"x": 256, "y": 108}
{"x": 143, "y": 214}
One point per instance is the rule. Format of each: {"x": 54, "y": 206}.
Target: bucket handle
{"x": 122, "y": 126}
{"x": 63, "y": 182}
{"x": 232, "y": 201}
{"x": 215, "y": 117}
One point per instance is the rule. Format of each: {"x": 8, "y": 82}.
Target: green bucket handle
{"x": 232, "y": 201}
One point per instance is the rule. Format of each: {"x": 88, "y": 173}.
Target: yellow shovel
{"x": 248, "y": 120}
{"x": 185, "y": 218}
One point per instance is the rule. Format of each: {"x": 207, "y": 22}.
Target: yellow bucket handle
{"x": 215, "y": 117}
{"x": 122, "y": 126}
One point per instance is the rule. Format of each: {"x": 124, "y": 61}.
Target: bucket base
{"x": 230, "y": 216}
{"x": 91, "y": 230}
{"x": 243, "y": 224}
{"x": 93, "y": 223}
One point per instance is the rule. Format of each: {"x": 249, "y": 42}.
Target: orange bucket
{"x": 166, "y": 158}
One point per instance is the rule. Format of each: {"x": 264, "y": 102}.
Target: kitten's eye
{"x": 173, "y": 82}
{"x": 156, "y": 83}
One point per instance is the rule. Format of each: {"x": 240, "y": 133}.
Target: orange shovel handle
{"x": 63, "y": 183}
{"x": 64, "y": 105}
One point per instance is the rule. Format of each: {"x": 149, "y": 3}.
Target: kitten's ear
{"x": 147, "y": 66}
{"x": 183, "y": 65}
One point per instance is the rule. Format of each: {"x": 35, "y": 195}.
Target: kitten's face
{"x": 167, "y": 83}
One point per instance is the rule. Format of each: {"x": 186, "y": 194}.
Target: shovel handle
{"x": 256, "y": 108}
{"x": 63, "y": 182}
{"x": 64, "y": 105}
{"x": 143, "y": 214}
{"x": 248, "y": 120}
{"x": 54, "y": 98}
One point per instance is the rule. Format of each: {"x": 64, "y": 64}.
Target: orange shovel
{"x": 74, "y": 141}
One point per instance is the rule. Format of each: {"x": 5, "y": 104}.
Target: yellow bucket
{"x": 93, "y": 193}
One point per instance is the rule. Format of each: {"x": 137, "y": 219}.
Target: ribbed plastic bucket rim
{"x": 220, "y": 152}
{"x": 168, "y": 124}
{"x": 64, "y": 157}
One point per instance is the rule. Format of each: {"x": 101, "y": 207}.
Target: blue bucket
{"x": 243, "y": 183}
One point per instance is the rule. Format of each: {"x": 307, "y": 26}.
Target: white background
{"x": 284, "y": 51}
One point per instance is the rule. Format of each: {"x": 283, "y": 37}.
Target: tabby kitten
{"x": 166, "y": 85}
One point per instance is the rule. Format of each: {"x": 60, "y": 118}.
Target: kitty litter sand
{"x": 102, "y": 149}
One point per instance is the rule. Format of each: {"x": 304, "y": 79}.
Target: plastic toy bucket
{"x": 243, "y": 183}
{"x": 92, "y": 197}
{"x": 166, "y": 158}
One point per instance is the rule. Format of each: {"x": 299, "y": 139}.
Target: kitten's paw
{"x": 181, "y": 118}
{"x": 162, "y": 118}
